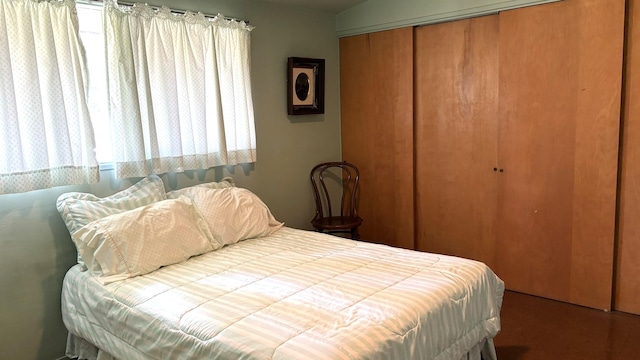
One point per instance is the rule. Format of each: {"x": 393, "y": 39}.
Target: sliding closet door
{"x": 456, "y": 137}
{"x": 376, "y": 87}
{"x": 560, "y": 80}
{"x": 627, "y": 295}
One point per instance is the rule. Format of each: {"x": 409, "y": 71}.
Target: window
{"x": 178, "y": 89}
{"x": 92, "y": 36}
{"x": 152, "y": 92}
{"x": 46, "y": 138}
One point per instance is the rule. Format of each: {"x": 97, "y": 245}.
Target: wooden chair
{"x": 331, "y": 176}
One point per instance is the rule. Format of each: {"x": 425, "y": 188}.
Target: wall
{"x": 35, "y": 248}
{"x": 377, "y": 15}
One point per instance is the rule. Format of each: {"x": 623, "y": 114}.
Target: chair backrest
{"x": 342, "y": 174}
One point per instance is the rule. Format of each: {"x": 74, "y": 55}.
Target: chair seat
{"x": 337, "y": 223}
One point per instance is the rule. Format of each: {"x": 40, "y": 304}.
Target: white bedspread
{"x": 292, "y": 295}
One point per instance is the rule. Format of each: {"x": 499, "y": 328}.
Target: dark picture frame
{"x": 305, "y": 86}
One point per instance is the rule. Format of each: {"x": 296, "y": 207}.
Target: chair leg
{"x": 354, "y": 233}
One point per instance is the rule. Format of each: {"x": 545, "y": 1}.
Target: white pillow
{"x": 226, "y": 182}
{"x": 79, "y": 209}
{"x": 233, "y": 214}
{"x": 139, "y": 241}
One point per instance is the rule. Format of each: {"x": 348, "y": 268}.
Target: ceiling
{"x": 332, "y": 6}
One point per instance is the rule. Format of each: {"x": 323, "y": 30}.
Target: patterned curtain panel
{"x": 46, "y": 138}
{"x": 179, "y": 90}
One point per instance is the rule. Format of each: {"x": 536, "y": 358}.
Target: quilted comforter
{"x": 292, "y": 295}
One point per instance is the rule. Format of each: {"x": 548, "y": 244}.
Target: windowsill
{"x": 106, "y": 166}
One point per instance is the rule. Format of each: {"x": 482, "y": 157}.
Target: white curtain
{"x": 46, "y": 138}
{"x": 179, "y": 90}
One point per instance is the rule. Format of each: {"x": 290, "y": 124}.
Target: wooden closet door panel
{"x": 376, "y": 93}
{"x": 627, "y": 282}
{"x": 560, "y": 78}
{"x": 456, "y": 137}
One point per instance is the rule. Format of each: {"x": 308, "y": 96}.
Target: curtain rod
{"x": 179, "y": 11}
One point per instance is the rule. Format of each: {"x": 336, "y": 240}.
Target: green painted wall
{"x": 35, "y": 248}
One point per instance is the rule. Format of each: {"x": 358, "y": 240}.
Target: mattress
{"x": 292, "y": 295}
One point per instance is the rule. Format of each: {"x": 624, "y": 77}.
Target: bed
{"x": 285, "y": 294}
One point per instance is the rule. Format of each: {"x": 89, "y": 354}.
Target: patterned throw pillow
{"x": 226, "y": 182}
{"x": 139, "y": 241}
{"x": 233, "y": 214}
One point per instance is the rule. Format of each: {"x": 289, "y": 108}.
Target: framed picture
{"x": 305, "y": 86}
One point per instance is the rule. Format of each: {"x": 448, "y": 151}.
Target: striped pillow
{"x": 79, "y": 209}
